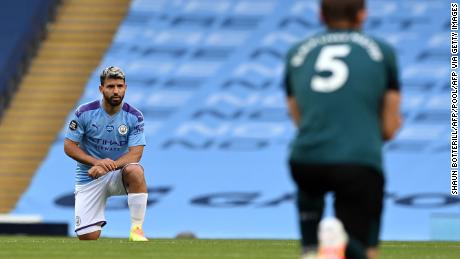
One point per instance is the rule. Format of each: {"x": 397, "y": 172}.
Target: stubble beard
{"x": 113, "y": 101}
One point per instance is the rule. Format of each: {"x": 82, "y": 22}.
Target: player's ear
{"x": 100, "y": 88}
{"x": 361, "y": 16}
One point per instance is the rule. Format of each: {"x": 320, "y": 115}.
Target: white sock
{"x": 137, "y": 203}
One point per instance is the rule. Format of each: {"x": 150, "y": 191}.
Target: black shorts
{"x": 358, "y": 195}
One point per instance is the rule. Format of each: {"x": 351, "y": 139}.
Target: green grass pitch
{"x": 68, "y": 248}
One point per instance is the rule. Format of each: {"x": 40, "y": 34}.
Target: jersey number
{"x": 329, "y": 60}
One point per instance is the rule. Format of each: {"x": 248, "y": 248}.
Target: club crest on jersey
{"x": 73, "y": 125}
{"x": 122, "y": 129}
{"x": 109, "y": 128}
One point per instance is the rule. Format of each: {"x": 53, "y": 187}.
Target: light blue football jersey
{"x": 103, "y": 136}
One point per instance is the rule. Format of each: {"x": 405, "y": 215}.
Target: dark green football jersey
{"x": 338, "y": 79}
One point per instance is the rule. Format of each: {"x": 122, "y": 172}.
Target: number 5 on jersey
{"x": 329, "y": 60}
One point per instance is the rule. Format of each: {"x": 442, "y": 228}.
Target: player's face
{"x": 113, "y": 91}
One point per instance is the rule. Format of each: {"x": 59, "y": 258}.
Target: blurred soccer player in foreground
{"x": 343, "y": 95}
{"x": 106, "y": 138}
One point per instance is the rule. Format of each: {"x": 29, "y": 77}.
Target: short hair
{"x": 112, "y": 73}
{"x": 341, "y": 10}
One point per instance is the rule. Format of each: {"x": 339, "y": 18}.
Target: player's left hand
{"x": 96, "y": 171}
{"x": 107, "y": 163}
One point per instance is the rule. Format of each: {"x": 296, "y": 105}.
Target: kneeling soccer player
{"x": 106, "y": 138}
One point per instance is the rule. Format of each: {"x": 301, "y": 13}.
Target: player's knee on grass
{"x": 90, "y": 236}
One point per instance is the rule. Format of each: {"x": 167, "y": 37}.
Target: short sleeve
{"x": 75, "y": 128}
{"x": 391, "y": 65}
{"x": 287, "y": 85}
{"x": 136, "y": 135}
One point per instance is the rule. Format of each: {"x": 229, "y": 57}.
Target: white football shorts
{"x": 90, "y": 200}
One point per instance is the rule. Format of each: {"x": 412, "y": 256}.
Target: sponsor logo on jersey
{"x": 73, "y": 125}
{"x": 122, "y": 129}
{"x": 107, "y": 142}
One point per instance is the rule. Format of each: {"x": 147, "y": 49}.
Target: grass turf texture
{"x": 68, "y": 248}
